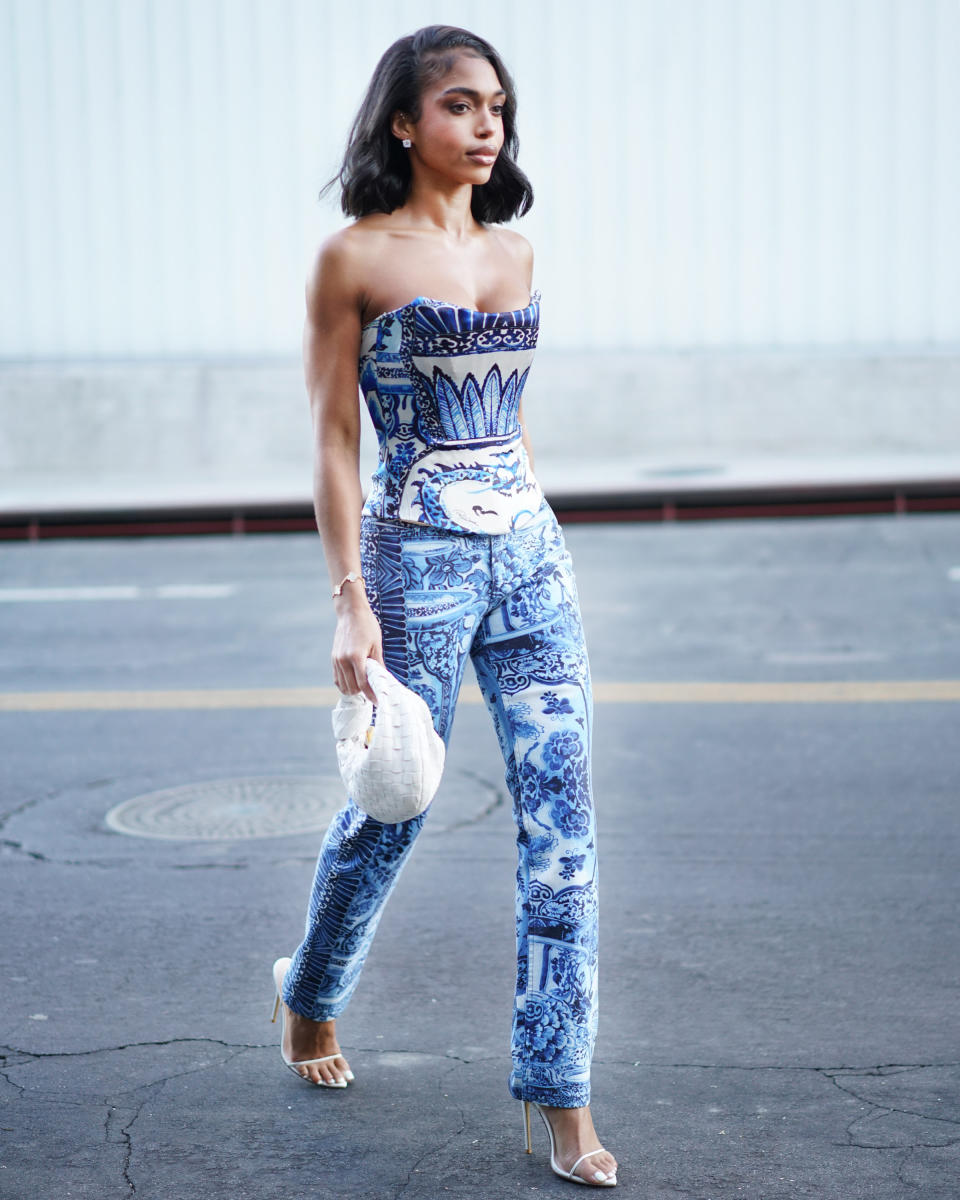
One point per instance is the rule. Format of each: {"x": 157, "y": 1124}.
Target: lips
{"x": 484, "y": 157}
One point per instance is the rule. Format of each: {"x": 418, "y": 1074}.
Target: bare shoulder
{"x": 332, "y": 325}
{"x": 341, "y": 263}
{"x": 518, "y": 247}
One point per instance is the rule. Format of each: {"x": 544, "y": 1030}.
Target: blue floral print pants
{"x": 509, "y": 601}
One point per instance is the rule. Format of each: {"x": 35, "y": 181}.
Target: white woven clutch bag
{"x": 391, "y": 770}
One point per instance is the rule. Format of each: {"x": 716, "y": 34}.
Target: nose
{"x": 486, "y": 125}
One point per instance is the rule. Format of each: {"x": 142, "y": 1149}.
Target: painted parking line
{"x": 168, "y": 591}
{"x": 895, "y": 691}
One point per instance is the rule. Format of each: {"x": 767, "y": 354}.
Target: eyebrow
{"x": 472, "y": 92}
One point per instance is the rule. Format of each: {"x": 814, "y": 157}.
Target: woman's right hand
{"x": 356, "y": 639}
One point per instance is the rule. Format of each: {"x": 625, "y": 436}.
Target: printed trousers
{"x": 509, "y": 602}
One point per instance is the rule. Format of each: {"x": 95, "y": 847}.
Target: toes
{"x": 333, "y": 1082}
{"x": 607, "y": 1169}
{"x": 333, "y": 1075}
{"x": 598, "y": 1168}
{"x": 341, "y": 1074}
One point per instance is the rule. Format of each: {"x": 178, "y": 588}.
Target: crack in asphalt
{"x": 15, "y": 812}
{"x": 906, "y": 1160}
{"x": 19, "y": 848}
{"x": 37, "y": 1054}
{"x": 881, "y": 1109}
{"x": 116, "y": 1133}
{"x": 239, "y": 1047}
{"x": 5, "y": 1067}
{"x": 498, "y": 798}
{"x": 121, "y": 1137}
{"x": 440, "y": 1146}
{"x": 120, "y": 1119}
{"x": 126, "y": 1133}
{"x": 52, "y": 794}
{"x": 837, "y": 1076}
{"x": 871, "y": 1070}
{"x": 109, "y": 863}
{"x": 152, "y": 1089}
{"x": 131, "y": 860}
{"x": 879, "y": 1069}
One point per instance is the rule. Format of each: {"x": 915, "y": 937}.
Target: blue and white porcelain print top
{"x": 443, "y": 386}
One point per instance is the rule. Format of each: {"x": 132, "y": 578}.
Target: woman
{"x": 454, "y": 552}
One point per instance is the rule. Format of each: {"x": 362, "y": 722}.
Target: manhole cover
{"x": 224, "y": 809}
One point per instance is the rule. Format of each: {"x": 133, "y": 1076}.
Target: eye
{"x": 460, "y": 106}
{"x": 497, "y": 110}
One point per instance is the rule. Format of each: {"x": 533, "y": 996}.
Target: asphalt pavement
{"x": 776, "y": 770}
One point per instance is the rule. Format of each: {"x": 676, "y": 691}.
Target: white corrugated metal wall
{"x": 721, "y": 173}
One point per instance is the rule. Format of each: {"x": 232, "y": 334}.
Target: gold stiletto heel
{"x": 279, "y": 970}
{"x": 599, "y": 1180}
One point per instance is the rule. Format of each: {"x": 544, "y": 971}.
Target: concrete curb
{"x": 651, "y": 488}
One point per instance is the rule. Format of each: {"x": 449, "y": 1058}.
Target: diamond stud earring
{"x": 407, "y": 143}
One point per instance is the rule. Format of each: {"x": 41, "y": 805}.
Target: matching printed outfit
{"x": 463, "y": 556}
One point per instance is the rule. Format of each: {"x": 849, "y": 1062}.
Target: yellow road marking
{"x": 291, "y": 697}
{"x": 846, "y": 691}
{"x": 840, "y": 691}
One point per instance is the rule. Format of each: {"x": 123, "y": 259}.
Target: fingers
{"x": 357, "y": 637}
{"x": 350, "y": 676}
{"x": 368, "y": 690}
{"x": 350, "y": 671}
{"x": 376, "y": 653}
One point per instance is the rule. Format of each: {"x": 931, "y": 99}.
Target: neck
{"x": 441, "y": 205}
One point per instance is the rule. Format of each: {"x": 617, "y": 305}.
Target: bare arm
{"x": 331, "y": 345}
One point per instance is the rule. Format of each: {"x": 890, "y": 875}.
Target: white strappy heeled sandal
{"x": 599, "y": 1180}
{"x": 279, "y": 971}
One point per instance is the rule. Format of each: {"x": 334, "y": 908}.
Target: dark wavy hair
{"x": 375, "y": 174}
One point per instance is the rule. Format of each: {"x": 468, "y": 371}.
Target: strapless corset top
{"x": 443, "y": 384}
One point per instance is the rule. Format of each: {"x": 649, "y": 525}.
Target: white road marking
{"x": 29, "y": 595}
{"x": 195, "y": 591}
{"x": 954, "y": 574}
{"x": 169, "y": 591}
{"x": 825, "y": 656}
{"x": 839, "y": 691}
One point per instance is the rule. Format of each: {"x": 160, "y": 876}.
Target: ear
{"x": 401, "y": 125}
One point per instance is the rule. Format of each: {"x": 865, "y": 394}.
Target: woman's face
{"x": 460, "y": 131}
